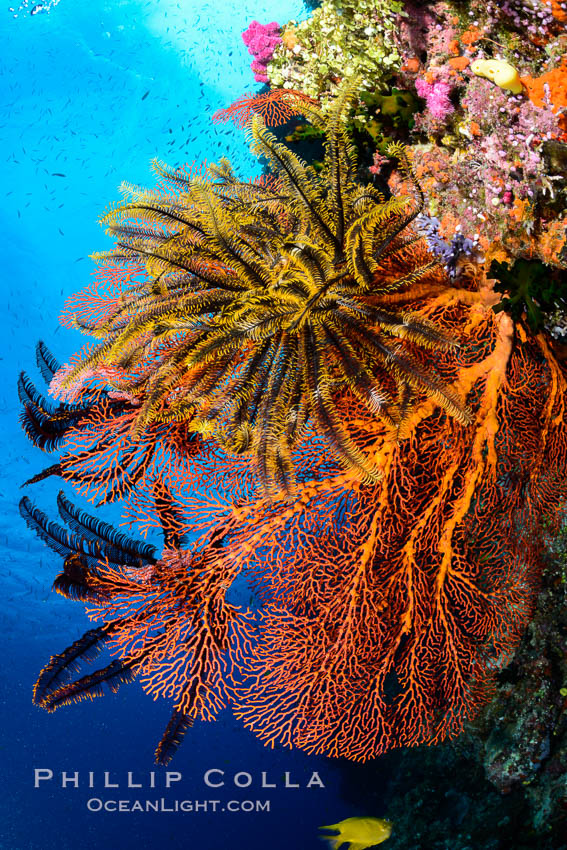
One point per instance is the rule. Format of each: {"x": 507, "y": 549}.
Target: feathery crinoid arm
{"x": 307, "y": 198}
{"x": 222, "y": 238}
{"x": 156, "y": 231}
{"x": 340, "y": 164}
{"x": 399, "y": 151}
{"x": 376, "y": 225}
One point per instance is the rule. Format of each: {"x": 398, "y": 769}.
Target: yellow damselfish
{"x": 359, "y": 833}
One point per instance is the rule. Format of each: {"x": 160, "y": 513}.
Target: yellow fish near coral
{"x": 502, "y": 73}
{"x": 358, "y": 833}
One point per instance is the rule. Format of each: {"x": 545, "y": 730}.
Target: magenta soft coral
{"x": 261, "y": 41}
{"x": 436, "y": 96}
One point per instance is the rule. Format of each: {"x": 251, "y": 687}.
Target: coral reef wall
{"x": 484, "y": 89}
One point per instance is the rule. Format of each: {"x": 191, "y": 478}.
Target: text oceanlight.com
{"x": 172, "y": 779}
{"x": 95, "y": 804}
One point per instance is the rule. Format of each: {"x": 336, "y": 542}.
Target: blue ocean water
{"x": 90, "y": 93}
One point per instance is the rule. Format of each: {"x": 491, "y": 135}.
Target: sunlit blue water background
{"x": 90, "y": 93}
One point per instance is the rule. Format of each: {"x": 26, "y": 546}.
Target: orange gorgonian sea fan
{"x": 386, "y": 603}
{"x": 276, "y": 107}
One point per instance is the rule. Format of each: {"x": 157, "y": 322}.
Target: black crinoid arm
{"x": 265, "y": 310}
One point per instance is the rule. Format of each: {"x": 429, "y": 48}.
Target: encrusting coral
{"x": 341, "y": 39}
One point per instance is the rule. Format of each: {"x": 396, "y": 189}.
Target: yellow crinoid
{"x": 268, "y": 304}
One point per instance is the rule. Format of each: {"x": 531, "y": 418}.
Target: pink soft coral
{"x": 379, "y": 162}
{"x": 436, "y": 96}
{"x": 261, "y": 41}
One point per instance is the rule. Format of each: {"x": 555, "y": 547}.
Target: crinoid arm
{"x": 173, "y": 737}
{"x": 106, "y": 540}
{"x": 62, "y": 667}
{"x": 46, "y": 362}
{"x": 90, "y": 548}
{"x": 44, "y": 423}
{"x": 92, "y": 541}
{"x": 92, "y": 685}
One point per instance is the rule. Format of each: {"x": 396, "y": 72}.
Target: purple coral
{"x": 450, "y": 253}
{"x": 436, "y": 96}
{"x": 261, "y": 41}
